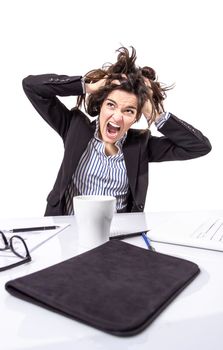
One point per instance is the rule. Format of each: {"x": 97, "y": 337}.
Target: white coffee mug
{"x": 93, "y": 215}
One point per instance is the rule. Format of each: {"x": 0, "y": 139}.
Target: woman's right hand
{"x": 94, "y": 87}
{"x": 91, "y": 88}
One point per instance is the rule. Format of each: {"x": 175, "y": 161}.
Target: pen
{"x": 147, "y": 241}
{"x": 125, "y": 235}
{"x": 29, "y": 229}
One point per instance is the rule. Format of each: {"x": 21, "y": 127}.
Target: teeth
{"x": 114, "y": 125}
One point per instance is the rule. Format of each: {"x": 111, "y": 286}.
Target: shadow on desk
{"x": 180, "y": 334}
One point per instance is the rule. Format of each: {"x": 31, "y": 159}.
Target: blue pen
{"x": 147, "y": 241}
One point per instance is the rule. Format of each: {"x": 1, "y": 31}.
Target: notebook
{"x": 125, "y": 225}
{"x": 117, "y": 287}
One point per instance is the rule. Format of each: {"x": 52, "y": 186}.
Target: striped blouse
{"x": 99, "y": 174}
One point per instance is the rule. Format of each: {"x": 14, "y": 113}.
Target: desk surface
{"x": 193, "y": 320}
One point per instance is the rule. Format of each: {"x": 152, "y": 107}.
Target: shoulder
{"x": 80, "y": 118}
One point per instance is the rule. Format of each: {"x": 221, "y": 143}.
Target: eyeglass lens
{"x": 18, "y": 246}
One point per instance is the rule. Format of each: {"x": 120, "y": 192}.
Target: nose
{"x": 117, "y": 115}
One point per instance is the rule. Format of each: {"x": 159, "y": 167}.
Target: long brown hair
{"x": 131, "y": 79}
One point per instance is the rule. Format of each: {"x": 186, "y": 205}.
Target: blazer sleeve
{"x": 180, "y": 141}
{"x": 42, "y": 91}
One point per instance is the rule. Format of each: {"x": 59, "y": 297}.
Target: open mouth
{"x": 112, "y": 129}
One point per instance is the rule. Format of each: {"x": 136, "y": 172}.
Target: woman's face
{"x": 118, "y": 112}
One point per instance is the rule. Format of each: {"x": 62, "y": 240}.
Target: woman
{"x": 106, "y": 156}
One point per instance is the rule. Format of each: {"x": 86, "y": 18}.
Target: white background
{"x": 182, "y": 40}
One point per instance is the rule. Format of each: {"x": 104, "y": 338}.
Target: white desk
{"x": 192, "y": 321}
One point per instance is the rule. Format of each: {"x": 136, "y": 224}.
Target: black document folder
{"x": 117, "y": 287}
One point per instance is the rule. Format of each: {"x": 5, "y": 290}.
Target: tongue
{"x": 112, "y": 129}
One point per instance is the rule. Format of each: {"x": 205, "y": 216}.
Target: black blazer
{"x": 180, "y": 140}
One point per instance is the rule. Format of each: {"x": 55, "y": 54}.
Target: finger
{"x": 147, "y": 82}
{"x": 119, "y": 78}
{"x": 149, "y": 85}
{"x": 116, "y": 81}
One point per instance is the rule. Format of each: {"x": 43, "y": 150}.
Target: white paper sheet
{"x": 33, "y": 239}
{"x": 195, "y": 230}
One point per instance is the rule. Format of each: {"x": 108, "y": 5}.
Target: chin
{"x": 108, "y": 140}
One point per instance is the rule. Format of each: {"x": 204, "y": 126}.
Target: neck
{"x": 110, "y": 149}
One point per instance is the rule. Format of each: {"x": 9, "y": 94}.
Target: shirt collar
{"x": 118, "y": 143}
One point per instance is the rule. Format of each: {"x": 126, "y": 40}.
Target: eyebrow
{"x": 109, "y": 99}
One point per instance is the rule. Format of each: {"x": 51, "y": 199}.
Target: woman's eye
{"x": 109, "y": 104}
{"x": 129, "y": 111}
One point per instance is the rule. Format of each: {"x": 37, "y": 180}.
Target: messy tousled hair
{"x": 131, "y": 78}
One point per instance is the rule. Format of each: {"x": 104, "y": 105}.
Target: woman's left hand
{"x": 148, "y": 111}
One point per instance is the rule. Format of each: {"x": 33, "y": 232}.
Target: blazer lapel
{"x": 131, "y": 151}
{"x": 80, "y": 133}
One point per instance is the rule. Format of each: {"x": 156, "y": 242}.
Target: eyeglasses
{"x": 18, "y": 247}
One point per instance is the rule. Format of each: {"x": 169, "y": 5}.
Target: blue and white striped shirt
{"x": 99, "y": 174}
